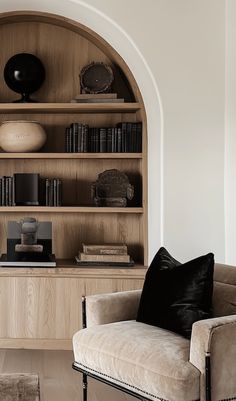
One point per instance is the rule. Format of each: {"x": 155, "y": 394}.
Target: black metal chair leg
{"x": 85, "y": 386}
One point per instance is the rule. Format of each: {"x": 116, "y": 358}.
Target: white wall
{"x": 183, "y": 44}
{"x": 230, "y": 132}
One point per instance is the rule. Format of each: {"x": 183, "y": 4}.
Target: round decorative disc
{"x": 96, "y": 77}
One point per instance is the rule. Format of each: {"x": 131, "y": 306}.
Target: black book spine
{"x": 123, "y": 127}
{"x": 54, "y": 192}
{"x": 86, "y": 130}
{"x": 109, "y": 140}
{"x": 47, "y": 189}
{"x": 139, "y": 137}
{"x": 82, "y": 137}
{"x": 128, "y": 138}
{"x": 74, "y": 127}
{"x": 7, "y": 192}
{"x": 113, "y": 139}
{"x": 10, "y": 191}
{"x": 67, "y": 139}
{"x": 70, "y": 140}
{"x": 80, "y": 129}
{"x": 13, "y": 191}
{"x": 58, "y": 193}
{"x": 119, "y": 140}
{"x": 3, "y": 191}
{"x": 51, "y": 192}
{"x": 97, "y": 140}
{"x": 103, "y": 140}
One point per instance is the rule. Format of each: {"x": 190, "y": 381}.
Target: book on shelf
{"x": 6, "y": 191}
{"x": 125, "y": 137}
{"x": 105, "y": 249}
{"x": 83, "y": 263}
{"x": 96, "y": 96}
{"x": 48, "y": 261}
{"x": 103, "y": 258}
{"x": 98, "y": 100}
{"x": 53, "y": 192}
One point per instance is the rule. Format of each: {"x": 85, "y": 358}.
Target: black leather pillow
{"x": 176, "y": 295}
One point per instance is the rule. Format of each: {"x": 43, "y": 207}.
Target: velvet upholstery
{"x": 124, "y": 307}
{"x": 155, "y": 362}
{"x": 176, "y": 295}
{"x": 218, "y": 338}
{"x": 149, "y": 359}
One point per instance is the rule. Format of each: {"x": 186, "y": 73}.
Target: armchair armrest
{"x": 114, "y": 307}
{"x": 216, "y": 339}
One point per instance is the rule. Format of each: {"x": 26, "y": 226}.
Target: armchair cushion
{"x": 176, "y": 295}
{"x": 146, "y": 359}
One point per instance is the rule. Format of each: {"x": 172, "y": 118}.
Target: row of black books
{"x": 53, "y": 192}
{"x": 6, "y": 191}
{"x": 126, "y": 137}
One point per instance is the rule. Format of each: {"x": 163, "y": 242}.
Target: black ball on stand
{"x": 24, "y": 73}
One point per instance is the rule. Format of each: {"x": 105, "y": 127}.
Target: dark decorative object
{"x": 176, "y": 295}
{"x": 24, "y": 73}
{"x": 26, "y": 189}
{"x": 29, "y": 243}
{"x": 112, "y": 188}
{"x": 96, "y": 77}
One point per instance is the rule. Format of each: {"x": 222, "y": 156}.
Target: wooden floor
{"x": 58, "y": 381}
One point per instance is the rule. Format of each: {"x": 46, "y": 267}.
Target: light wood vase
{"x": 21, "y": 136}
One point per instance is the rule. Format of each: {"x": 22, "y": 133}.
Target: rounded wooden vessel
{"x": 21, "y": 136}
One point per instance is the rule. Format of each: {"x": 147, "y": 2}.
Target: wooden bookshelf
{"x": 40, "y": 308}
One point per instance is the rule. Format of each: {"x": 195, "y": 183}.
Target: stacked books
{"x": 53, "y": 192}
{"x": 76, "y": 138}
{"x": 125, "y": 137}
{"x": 105, "y": 254}
{"x": 97, "y": 98}
{"x": 6, "y": 191}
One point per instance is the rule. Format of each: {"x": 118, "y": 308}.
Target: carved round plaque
{"x": 96, "y": 77}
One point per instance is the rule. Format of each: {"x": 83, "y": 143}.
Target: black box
{"x": 26, "y": 189}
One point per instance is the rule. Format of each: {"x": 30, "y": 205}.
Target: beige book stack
{"x": 107, "y": 254}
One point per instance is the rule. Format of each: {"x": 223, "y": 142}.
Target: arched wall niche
{"x": 113, "y": 37}
{"x": 64, "y": 46}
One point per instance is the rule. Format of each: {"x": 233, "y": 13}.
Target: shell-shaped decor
{"x": 21, "y": 136}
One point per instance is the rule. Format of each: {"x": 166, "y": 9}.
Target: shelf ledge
{"x": 41, "y": 155}
{"x": 12, "y": 108}
{"x": 70, "y": 209}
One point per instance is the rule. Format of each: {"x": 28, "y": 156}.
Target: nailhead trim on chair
{"x": 228, "y": 399}
{"x": 129, "y": 385}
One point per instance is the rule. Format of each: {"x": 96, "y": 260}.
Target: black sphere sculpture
{"x": 24, "y": 73}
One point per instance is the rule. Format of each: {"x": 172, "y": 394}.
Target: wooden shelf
{"x": 70, "y": 155}
{"x": 68, "y": 268}
{"x": 53, "y": 108}
{"x": 70, "y": 209}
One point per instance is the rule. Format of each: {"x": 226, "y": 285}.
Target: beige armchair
{"x": 151, "y": 363}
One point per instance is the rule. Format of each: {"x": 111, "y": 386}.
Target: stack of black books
{"x": 124, "y": 138}
{"x": 53, "y": 191}
{"x": 76, "y": 138}
{"x": 6, "y": 191}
